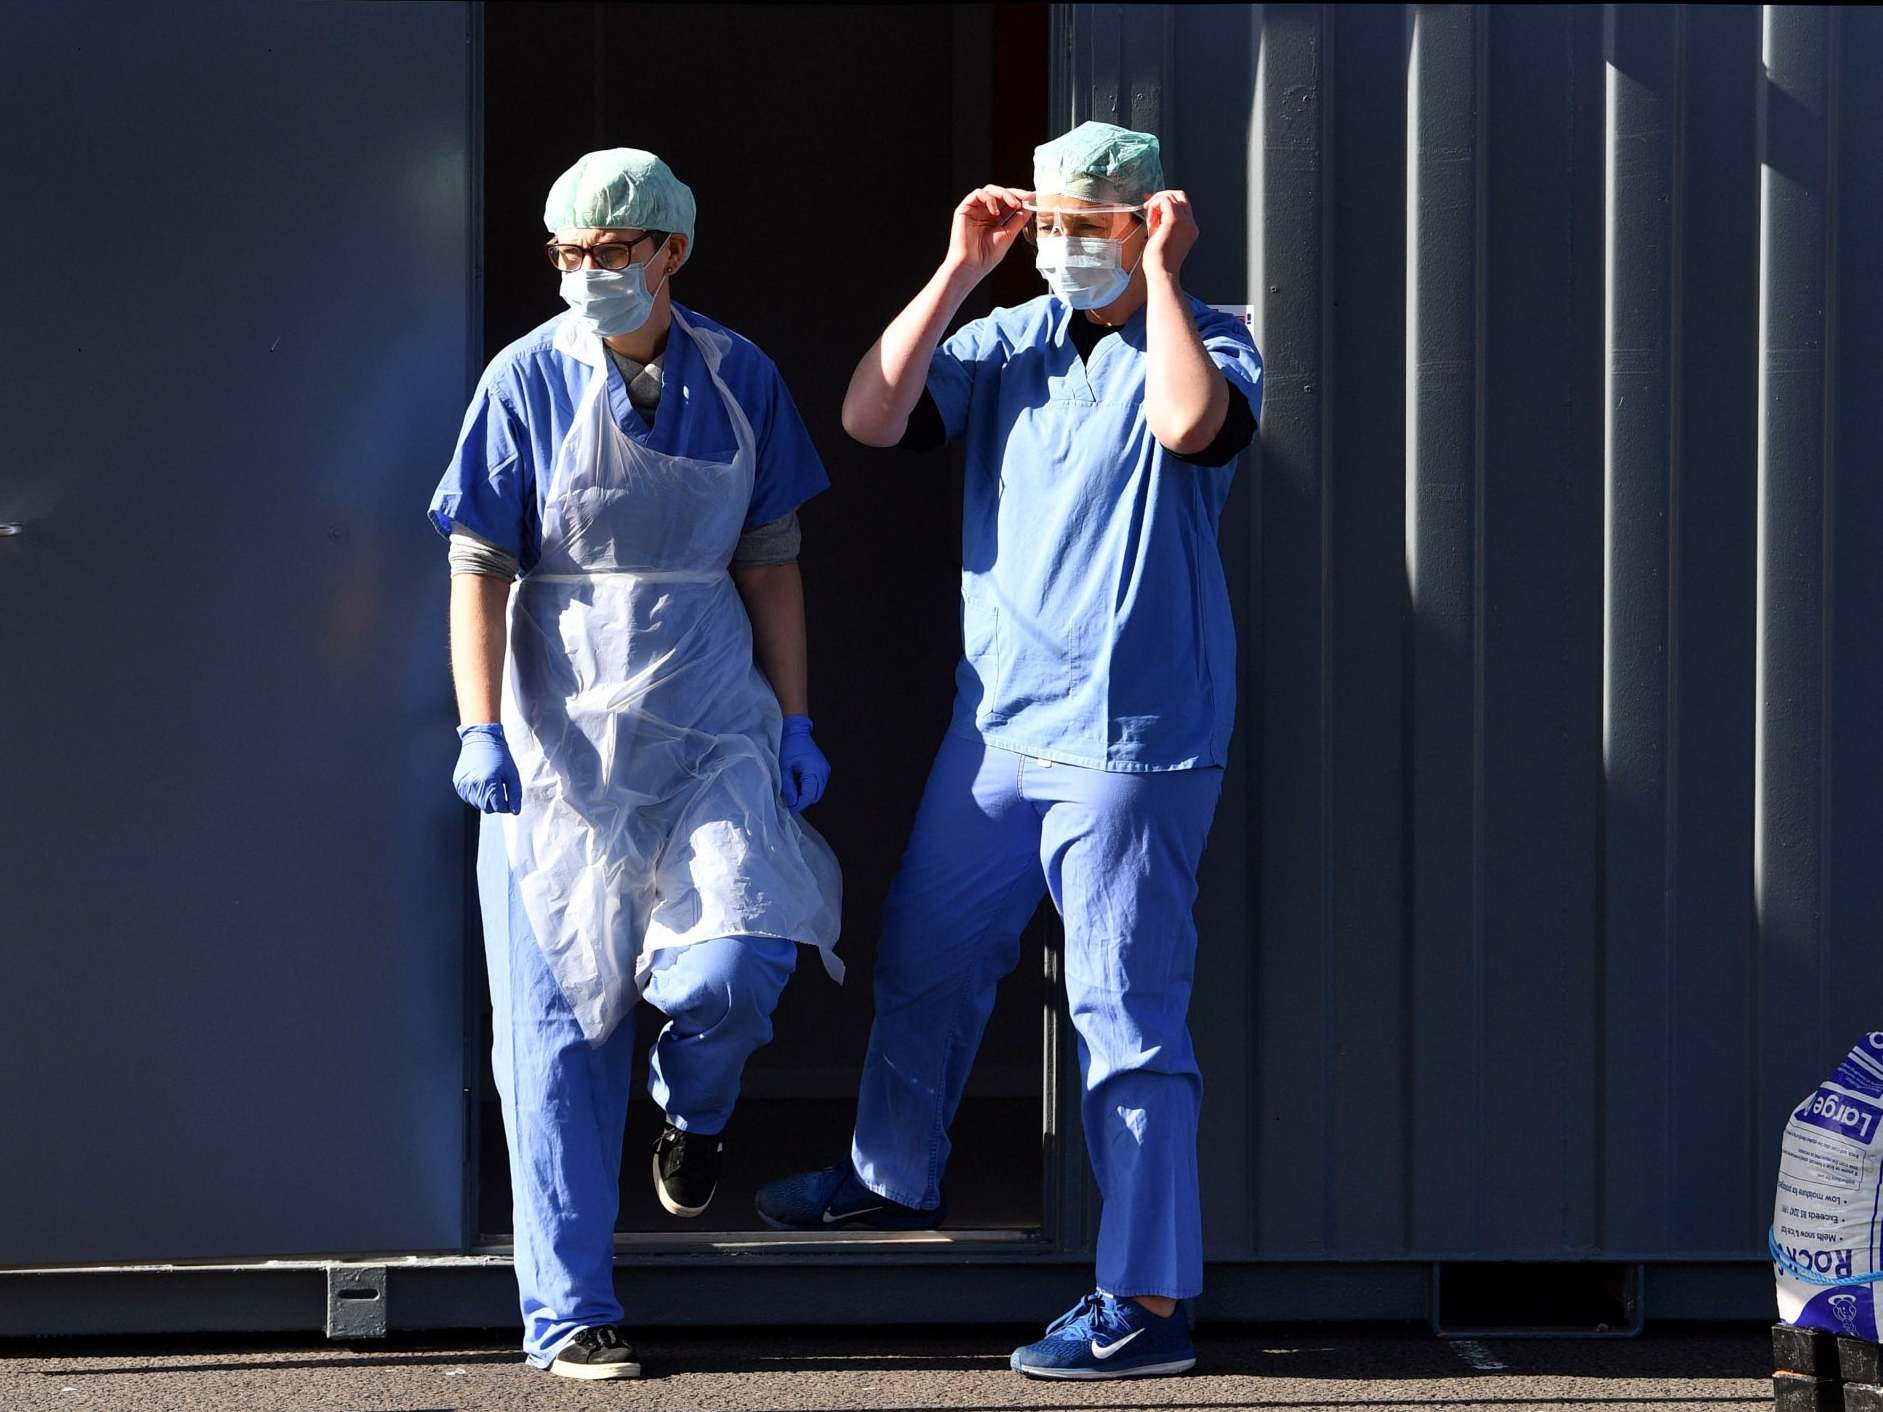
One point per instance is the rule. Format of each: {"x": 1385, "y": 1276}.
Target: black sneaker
{"x": 686, "y": 1170}
{"x": 594, "y": 1354}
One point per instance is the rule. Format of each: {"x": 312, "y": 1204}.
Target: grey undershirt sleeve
{"x": 472, "y": 554}
{"x": 774, "y": 543}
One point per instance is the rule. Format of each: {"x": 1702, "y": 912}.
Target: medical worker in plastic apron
{"x": 1094, "y": 705}
{"x": 636, "y": 469}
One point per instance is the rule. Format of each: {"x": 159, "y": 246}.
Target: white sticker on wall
{"x": 1243, "y": 314}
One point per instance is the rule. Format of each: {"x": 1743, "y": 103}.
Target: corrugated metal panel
{"x": 1540, "y": 885}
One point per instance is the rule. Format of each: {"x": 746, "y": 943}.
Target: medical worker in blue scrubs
{"x": 628, "y": 643}
{"x": 1093, "y": 709}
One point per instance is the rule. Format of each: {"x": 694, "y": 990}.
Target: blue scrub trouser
{"x": 1118, "y": 852}
{"x": 565, "y": 1102}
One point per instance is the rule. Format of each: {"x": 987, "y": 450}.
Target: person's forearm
{"x": 888, "y": 382}
{"x": 774, "y": 601}
{"x": 477, "y": 645}
{"x": 1185, "y": 397}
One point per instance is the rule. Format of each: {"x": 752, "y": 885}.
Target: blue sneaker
{"x": 832, "y": 1199}
{"x": 1102, "y": 1337}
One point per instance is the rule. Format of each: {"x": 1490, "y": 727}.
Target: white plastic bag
{"x": 1827, "y": 1223}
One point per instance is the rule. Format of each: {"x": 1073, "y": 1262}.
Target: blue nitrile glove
{"x": 806, "y": 772}
{"x": 486, "y": 777}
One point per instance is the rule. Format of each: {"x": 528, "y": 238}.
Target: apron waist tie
{"x": 645, "y": 575}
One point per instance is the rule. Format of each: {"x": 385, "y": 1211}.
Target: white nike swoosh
{"x": 1098, "y": 1352}
{"x": 831, "y": 1218}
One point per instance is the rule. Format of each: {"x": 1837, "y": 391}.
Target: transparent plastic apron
{"x": 646, "y": 737}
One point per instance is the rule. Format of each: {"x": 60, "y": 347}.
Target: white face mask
{"x": 611, "y": 302}
{"x": 1085, "y": 271}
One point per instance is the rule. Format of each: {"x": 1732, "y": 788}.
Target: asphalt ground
{"x": 1674, "y": 1369}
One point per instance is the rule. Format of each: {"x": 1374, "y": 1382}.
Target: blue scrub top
{"x": 1095, "y": 617}
{"x": 527, "y": 398}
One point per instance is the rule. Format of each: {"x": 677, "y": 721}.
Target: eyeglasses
{"x": 607, "y": 254}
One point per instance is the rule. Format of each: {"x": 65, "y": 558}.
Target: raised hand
{"x": 1173, "y": 232}
{"x": 986, "y": 224}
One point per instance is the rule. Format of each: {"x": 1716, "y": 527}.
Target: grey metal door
{"x": 238, "y": 301}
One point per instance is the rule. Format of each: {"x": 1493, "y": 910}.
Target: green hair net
{"x": 621, "y": 188}
{"x": 1099, "y": 162}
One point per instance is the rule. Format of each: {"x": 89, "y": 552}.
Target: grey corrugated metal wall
{"x": 1545, "y": 878}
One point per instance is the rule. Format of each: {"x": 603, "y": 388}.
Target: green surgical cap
{"x": 1099, "y": 162}
{"x": 623, "y": 188}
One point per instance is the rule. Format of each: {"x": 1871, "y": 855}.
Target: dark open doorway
{"x": 826, "y": 146}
